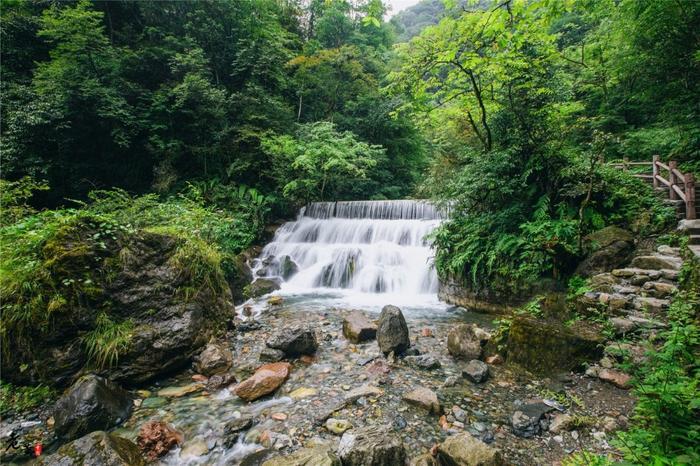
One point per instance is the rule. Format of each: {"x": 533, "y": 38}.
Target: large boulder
{"x": 465, "y": 450}
{"x": 546, "y": 346}
{"x": 95, "y": 449}
{"x": 392, "y": 331}
{"x": 156, "y": 438}
{"x": 239, "y": 275}
{"x": 294, "y": 341}
{"x": 214, "y": 359}
{"x": 607, "y": 249}
{"x": 373, "y": 446}
{"x": 465, "y": 341}
{"x": 266, "y": 380}
{"x": 260, "y": 287}
{"x": 92, "y": 403}
{"x": 358, "y": 328}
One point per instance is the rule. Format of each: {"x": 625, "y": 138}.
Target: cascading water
{"x": 356, "y": 248}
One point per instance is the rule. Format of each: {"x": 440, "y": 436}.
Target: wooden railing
{"x": 681, "y": 186}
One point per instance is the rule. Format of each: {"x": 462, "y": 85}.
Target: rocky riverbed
{"x": 346, "y": 386}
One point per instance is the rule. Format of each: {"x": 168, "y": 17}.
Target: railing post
{"x": 625, "y": 162}
{"x": 655, "y": 170}
{"x": 672, "y": 179}
{"x": 689, "y": 196}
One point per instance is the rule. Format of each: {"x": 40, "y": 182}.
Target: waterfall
{"x": 360, "y": 246}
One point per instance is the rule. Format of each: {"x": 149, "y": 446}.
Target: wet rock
{"x": 358, "y": 328}
{"x": 424, "y": 460}
{"x": 545, "y": 347}
{"x": 195, "y": 449}
{"x": 91, "y": 403}
{"x": 424, "y": 361}
{"x": 529, "y": 420}
{"x": 423, "y": 398}
{"x": 373, "y": 445}
{"x": 235, "y": 428}
{"x": 266, "y": 380}
{"x": 288, "y": 267}
{"x": 465, "y": 450}
{"x": 177, "y": 392}
{"x": 392, "y": 331}
{"x": 261, "y": 286}
{"x": 294, "y": 341}
{"x": 219, "y": 381}
{"x": 317, "y": 456}
{"x": 275, "y": 300}
{"x": 459, "y": 414}
{"x": 215, "y": 358}
{"x": 155, "y": 402}
{"x": 97, "y": 448}
{"x": 465, "y": 341}
{"x": 271, "y": 355}
{"x": 476, "y": 371}
{"x": 338, "y": 426}
{"x": 302, "y": 392}
{"x": 617, "y": 378}
{"x": 156, "y": 438}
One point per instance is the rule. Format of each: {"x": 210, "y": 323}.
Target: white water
{"x": 370, "y": 252}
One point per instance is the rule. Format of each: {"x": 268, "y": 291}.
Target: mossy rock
{"x": 96, "y": 448}
{"x": 547, "y": 347}
{"x": 607, "y": 249}
{"x": 260, "y": 287}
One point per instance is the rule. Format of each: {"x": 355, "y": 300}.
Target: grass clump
{"x": 108, "y": 340}
{"x": 19, "y": 399}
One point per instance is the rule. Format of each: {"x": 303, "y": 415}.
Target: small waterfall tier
{"x": 363, "y": 246}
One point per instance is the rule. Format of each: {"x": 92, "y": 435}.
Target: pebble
{"x": 279, "y": 417}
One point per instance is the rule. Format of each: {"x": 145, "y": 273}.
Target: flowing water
{"x": 357, "y": 254}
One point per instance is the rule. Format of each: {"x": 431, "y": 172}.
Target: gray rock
{"x": 392, "y": 331}
{"x": 657, "y": 262}
{"x": 317, "y": 456}
{"x": 371, "y": 446}
{"x": 218, "y": 381}
{"x": 529, "y": 419}
{"x": 476, "y": 371}
{"x": 358, "y": 328}
{"x": 235, "y": 428}
{"x": 261, "y": 286}
{"x": 95, "y": 449}
{"x": 465, "y": 341}
{"x": 271, "y": 355}
{"x": 215, "y": 358}
{"x": 465, "y": 450}
{"x": 294, "y": 341}
{"x": 607, "y": 249}
{"x": 288, "y": 267}
{"x": 423, "y": 398}
{"x": 424, "y": 361}
{"x": 92, "y": 403}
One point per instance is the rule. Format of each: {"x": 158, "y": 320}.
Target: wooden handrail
{"x": 681, "y": 186}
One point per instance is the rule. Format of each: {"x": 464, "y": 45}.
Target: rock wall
{"x": 488, "y": 300}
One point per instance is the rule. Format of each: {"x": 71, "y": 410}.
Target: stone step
{"x": 633, "y": 323}
{"x": 653, "y": 305}
{"x": 638, "y": 276}
{"x": 694, "y": 239}
{"x": 657, "y": 261}
{"x": 659, "y": 289}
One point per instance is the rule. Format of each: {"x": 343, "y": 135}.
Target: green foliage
{"x": 107, "y": 341}
{"x": 666, "y": 425}
{"x": 584, "y": 458}
{"x": 19, "y": 399}
{"x": 320, "y": 162}
{"x": 14, "y": 198}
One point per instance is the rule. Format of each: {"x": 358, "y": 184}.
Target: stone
{"x": 546, "y": 347}
{"x": 357, "y": 328}
{"x": 423, "y": 398}
{"x": 372, "y": 445}
{"x": 97, "y": 448}
{"x": 288, "y": 267}
{"x": 195, "y": 449}
{"x": 177, "y": 392}
{"x": 424, "y": 361}
{"x": 302, "y": 392}
{"x": 317, "y": 456}
{"x": 657, "y": 262}
{"x": 669, "y": 274}
{"x": 234, "y": 429}
{"x": 459, "y": 414}
{"x": 465, "y": 341}
{"x": 561, "y": 423}
{"x": 622, "y": 325}
{"x": 476, "y": 371}
{"x": 528, "y": 420}
{"x": 392, "y": 331}
{"x": 91, "y": 403}
{"x": 156, "y": 438}
{"x": 653, "y": 305}
{"x": 494, "y": 360}
{"x": 264, "y": 381}
{"x": 294, "y": 341}
{"x": 260, "y": 287}
{"x": 424, "y": 460}
{"x": 279, "y": 416}
{"x": 617, "y": 378}
{"x": 465, "y": 450}
{"x": 607, "y": 249}
{"x": 154, "y": 402}
{"x": 660, "y": 289}
{"x": 271, "y": 355}
{"x": 338, "y": 426}
{"x": 219, "y": 381}
{"x": 275, "y": 300}
{"x": 214, "y": 359}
